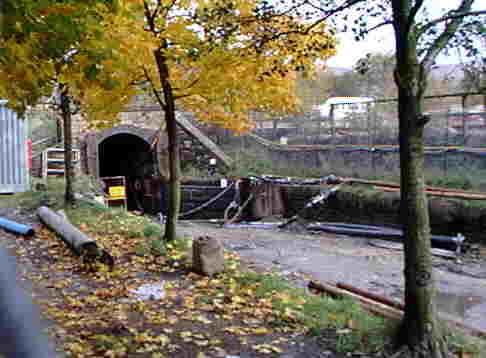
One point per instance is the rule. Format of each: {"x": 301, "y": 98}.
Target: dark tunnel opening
{"x": 129, "y": 156}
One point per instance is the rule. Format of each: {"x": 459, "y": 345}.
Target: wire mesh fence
{"x": 364, "y": 138}
{"x": 355, "y": 139}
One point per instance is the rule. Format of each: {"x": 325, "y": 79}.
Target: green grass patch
{"x": 352, "y": 328}
{"x": 152, "y": 230}
{"x": 463, "y": 345}
{"x": 108, "y": 221}
{"x": 32, "y": 199}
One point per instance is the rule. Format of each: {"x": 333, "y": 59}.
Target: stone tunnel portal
{"x": 130, "y": 156}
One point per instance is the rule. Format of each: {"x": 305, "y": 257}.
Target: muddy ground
{"x": 461, "y": 282}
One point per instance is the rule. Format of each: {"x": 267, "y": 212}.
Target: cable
{"x": 238, "y": 212}
{"x": 209, "y": 202}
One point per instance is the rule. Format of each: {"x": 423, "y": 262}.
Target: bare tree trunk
{"x": 68, "y": 172}
{"x": 174, "y": 179}
{"x": 420, "y": 329}
{"x": 173, "y": 148}
{"x": 59, "y": 130}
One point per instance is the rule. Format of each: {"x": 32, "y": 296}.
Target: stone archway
{"x": 125, "y": 154}
{"x": 123, "y": 137}
{"x": 128, "y": 151}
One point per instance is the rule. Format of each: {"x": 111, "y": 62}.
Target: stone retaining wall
{"x": 447, "y": 216}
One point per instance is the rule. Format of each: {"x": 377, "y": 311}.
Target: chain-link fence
{"x": 363, "y": 137}
{"x": 354, "y": 139}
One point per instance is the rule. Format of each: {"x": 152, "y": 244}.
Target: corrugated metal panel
{"x": 13, "y": 154}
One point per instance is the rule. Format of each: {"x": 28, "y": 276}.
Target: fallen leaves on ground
{"x": 97, "y": 314}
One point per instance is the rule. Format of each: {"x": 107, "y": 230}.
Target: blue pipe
{"x": 16, "y": 227}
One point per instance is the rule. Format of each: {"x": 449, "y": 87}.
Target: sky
{"x": 349, "y": 51}
{"x": 382, "y": 40}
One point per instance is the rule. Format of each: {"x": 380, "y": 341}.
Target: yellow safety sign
{"x": 116, "y": 192}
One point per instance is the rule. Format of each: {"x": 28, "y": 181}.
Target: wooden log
{"x": 366, "y": 303}
{"x": 382, "y": 299}
{"x": 76, "y": 240}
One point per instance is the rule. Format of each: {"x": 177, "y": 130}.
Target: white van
{"x": 344, "y": 107}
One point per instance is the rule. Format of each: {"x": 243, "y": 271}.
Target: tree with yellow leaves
{"x": 203, "y": 56}
{"x": 51, "y": 48}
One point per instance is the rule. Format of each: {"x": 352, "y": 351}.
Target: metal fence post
{"x": 446, "y": 152}
{"x": 331, "y": 119}
{"x": 464, "y": 124}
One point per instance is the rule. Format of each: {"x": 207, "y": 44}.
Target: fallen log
{"x": 76, "y": 240}
{"x": 16, "y": 228}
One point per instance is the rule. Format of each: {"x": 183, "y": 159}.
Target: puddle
{"x": 469, "y": 309}
{"x": 457, "y": 305}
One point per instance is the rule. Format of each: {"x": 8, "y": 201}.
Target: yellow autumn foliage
{"x": 220, "y": 81}
{"x": 219, "y": 77}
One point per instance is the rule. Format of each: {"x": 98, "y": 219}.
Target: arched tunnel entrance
{"x": 127, "y": 155}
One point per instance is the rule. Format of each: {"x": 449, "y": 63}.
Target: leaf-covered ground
{"x": 94, "y": 312}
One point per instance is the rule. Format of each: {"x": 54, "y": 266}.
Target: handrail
{"x": 42, "y": 141}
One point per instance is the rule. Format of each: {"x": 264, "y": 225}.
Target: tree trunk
{"x": 173, "y": 148}
{"x": 420, "y": 329}
{"x": 174, "y": 179}
{"x": 68, "y": 138}
{"x": 59, "y": 130}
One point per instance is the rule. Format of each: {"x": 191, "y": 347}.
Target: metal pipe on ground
{"x": 452, "y": 243}
{"x": 76, "y": 240}
{"x": 16, "y": 228}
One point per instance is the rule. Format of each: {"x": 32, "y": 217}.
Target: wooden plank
{"x": 388, "y": 311}
{"x": 193, "y": 131}
{"x": 442, "y": 193}
{"x": 366, "y": 303}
